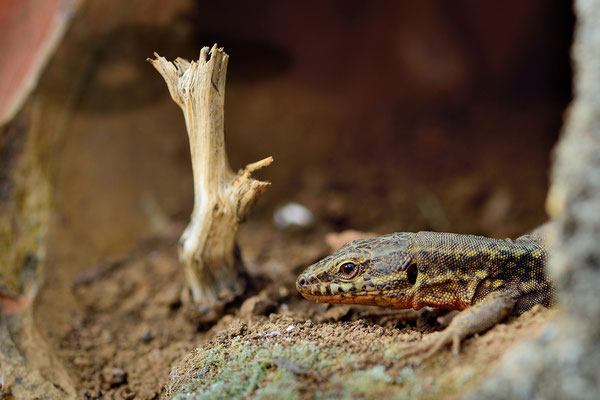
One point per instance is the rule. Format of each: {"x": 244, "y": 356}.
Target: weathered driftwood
{"x": 222, "y": 198}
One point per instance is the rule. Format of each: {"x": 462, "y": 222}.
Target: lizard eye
{"x": 348, "y": 270}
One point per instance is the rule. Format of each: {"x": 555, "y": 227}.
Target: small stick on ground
{"x": 222, "y": 198}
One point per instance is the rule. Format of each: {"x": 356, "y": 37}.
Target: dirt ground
{"x": 115, "y": 316}
{"x": 130, "y": 327}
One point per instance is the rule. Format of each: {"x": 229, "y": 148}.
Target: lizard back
{"x": 468, "y": 268}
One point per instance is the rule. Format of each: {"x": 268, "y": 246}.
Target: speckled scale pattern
{"x": 475, "y": 266}
{"x": 485, "y": 278}
{"x": 452, "y": 271}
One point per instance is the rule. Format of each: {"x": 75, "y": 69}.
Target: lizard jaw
{"x": 367, "y": 299}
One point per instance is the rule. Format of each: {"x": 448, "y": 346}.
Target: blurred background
{"x": 381, "y": 116}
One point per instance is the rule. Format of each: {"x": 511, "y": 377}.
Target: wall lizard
{"x": 487, "y": 279}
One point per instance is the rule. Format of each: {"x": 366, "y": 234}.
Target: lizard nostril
{"x": 302, "y": 282}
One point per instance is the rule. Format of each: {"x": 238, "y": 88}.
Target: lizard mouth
{"x": 366, "y": 299}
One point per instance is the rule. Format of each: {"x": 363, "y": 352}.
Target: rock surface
{"x": 565, "y": 362}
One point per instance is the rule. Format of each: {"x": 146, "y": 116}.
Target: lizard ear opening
{"x": 411, "y": 273}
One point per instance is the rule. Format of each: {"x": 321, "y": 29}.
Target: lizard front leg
{"x": 478, "y": 318}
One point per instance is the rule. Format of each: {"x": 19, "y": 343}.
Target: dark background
{"x": 380, "y": 115}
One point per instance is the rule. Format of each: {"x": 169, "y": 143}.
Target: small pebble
{"x": 147, "y": 337}
{"x": 113, "y": 377}
{"x": 257, "y": 305}
{"x": 293, "y": 215}
{"x": 274, "y": 333}
{"x": 283, "y": 291}
{"x": 127, "y": 394}
{"x": 153, "y": 256}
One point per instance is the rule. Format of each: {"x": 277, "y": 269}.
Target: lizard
{"x": 486, "y": 279}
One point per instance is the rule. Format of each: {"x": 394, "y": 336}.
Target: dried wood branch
{"x": 222, "y": 198}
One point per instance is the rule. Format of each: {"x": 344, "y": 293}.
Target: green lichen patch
{"x": 245, "y": 367}
{"x": 262, "y": 359}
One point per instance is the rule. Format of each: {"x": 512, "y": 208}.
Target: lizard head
{"x": 378, "y": 271}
